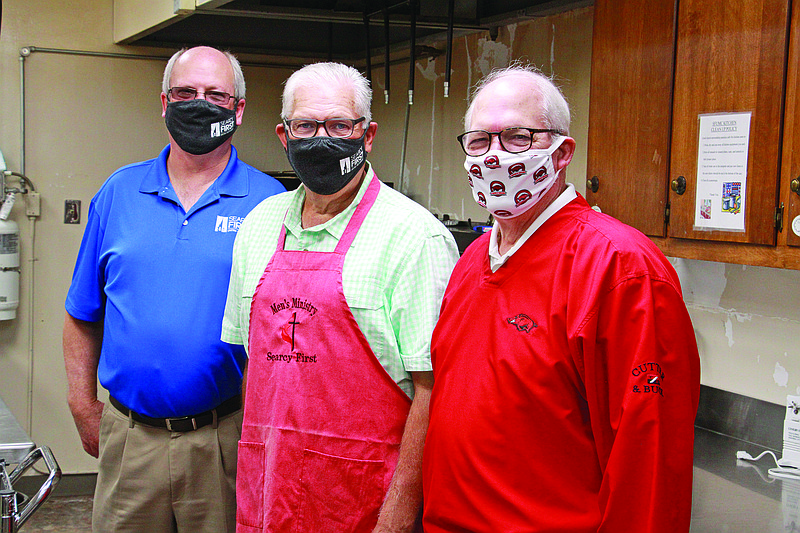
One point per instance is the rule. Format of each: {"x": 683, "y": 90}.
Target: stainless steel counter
{"x": 737, "y": 496}
{"x": 15, "y": 444}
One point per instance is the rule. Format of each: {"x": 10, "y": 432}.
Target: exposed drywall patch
{"x": 429, "y": 72}
{"x": 469, "y": 69}
{"x": 512, "y": 32}
{"x": 492, "y": 54}
{"x": 702, "y": 282}
{"x": 781, "y": 376}
{"x": 729, "y": 331}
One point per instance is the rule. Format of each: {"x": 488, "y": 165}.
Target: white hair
{"x": 555, "y": 110}
{"x": 329, "y": 74}
{"x": 238, "y": 76}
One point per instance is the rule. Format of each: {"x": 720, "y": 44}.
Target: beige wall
{"x": 86, "y": 116}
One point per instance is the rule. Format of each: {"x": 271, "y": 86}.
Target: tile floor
{"x": 61, "y": 514}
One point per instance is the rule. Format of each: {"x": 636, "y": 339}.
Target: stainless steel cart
{"x": 16, "y": 448}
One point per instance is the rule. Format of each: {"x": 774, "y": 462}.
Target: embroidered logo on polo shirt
{"x": 649, "y": 377}
{"x": 228, "y": 224}
{"x": 522, "y": 322}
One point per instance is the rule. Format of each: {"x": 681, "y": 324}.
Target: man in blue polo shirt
{"x": 144, "y": 312}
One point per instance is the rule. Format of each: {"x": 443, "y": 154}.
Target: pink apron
{"x": 322, "y": 419}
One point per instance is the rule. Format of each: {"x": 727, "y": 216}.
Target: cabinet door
{"x": 629, "y": 110}
{"x": 730, "y": 57}
{"x": 790, "y": 162}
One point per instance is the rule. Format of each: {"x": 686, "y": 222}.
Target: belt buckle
{"x": 181, "y": 419}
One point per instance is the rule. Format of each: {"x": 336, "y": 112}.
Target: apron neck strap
{"x": 353, "y": 226}
{"x": 360, "y": 214}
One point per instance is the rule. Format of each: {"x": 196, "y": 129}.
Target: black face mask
{"x": 199, "y": 127}
{"x": 326, "y": 164}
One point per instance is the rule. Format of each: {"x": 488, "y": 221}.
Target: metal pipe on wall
{"x": 24, "y": 53}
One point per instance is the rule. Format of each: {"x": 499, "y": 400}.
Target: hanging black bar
{"x": 412, "y": 58}
{"x": 386, "y": 43}
{"x": 369, "y": 51}
{"x": 451, "y": 8}
{"x": 330, "y": 41}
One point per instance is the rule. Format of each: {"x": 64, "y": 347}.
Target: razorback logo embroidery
{"x": 522, "y": 196}
{"x": 516, "y": 170}
{"x": 496, "y": 188}
{"x": 539, "y": 175}
{"x": 492, "y": 162}
{"x": 522, "y": 322}
{"x": 649, "y": 377}
{"x": 475, "y": 170}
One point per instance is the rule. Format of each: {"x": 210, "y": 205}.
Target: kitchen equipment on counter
{"x": 16, "y": 448}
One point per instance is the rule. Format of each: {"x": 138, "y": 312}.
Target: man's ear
{"x": 280, "y": 131}
{"x": 563, "y": 155}
{"x": 372, "y": 129}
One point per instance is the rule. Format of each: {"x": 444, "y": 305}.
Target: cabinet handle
{"x": 679, "y": 185}
{"x": 795, "y": 185}
{"x": 593, "y": 183}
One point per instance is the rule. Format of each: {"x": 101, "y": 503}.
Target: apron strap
{"x": 352, "y": 227}
{"x": 358, "y": 217}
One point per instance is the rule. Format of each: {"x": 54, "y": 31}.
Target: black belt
{"x": 184, "y": 423}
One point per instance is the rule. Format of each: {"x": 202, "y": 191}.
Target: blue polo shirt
{"x": 158, "y": 277}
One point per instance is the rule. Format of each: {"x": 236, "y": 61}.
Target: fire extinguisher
{"x": 9, "y": 262}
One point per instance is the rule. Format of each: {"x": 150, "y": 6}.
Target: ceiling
{"x": 295, "y": 31}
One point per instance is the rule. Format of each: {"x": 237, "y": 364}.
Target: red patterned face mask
{"x": 509, "y": 184}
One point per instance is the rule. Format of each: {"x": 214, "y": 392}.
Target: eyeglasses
{"x": 513, "y": 140}
{"x": 303, "y": 128}
{"x": 181, "y": 94}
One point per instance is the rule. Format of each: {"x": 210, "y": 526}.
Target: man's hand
{"x": 402, "y": 504}
{"x": 87, "y": 420}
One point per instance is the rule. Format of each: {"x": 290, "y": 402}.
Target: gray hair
{"x": 329, "y": 74}
{"x": 555, "y": 110}
{"x": 238, "y": 75}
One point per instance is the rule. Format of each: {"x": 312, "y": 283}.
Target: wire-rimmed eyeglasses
{"x": 513, "y": 140}
{"x": 181, "y": 94}
{"x": 303, "y": 128}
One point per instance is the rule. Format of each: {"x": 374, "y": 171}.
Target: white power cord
{"x": 781, "y": 470}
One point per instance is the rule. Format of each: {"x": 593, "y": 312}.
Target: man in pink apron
{"x": 335, "y": 290}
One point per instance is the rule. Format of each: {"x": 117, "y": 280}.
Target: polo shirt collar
{"x": 334, "y": 226}
{"x": 229, "y": 183}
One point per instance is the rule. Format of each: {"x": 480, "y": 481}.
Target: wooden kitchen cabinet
{"x": 630, "y": 110}
{"x": 656, "y": 67}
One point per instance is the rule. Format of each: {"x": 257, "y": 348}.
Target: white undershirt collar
{"x": 496, "y": 260}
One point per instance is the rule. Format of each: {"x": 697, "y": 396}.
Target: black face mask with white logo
{"x": 198, "y": 126}
{"x": 326, "y": 164}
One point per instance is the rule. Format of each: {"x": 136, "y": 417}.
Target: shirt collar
{"x": 334, "y": 226}
{"x": 229, "y": 183}
{"x": 496, "y": 260}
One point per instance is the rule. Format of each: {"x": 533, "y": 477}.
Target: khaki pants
{"x": 157, "y": 481}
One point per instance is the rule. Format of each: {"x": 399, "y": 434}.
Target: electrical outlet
{"x": 34, "y": 204}
{"x": 72, "y": 211}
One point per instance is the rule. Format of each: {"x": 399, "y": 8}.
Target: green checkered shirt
{"x": 394, "y": 274}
